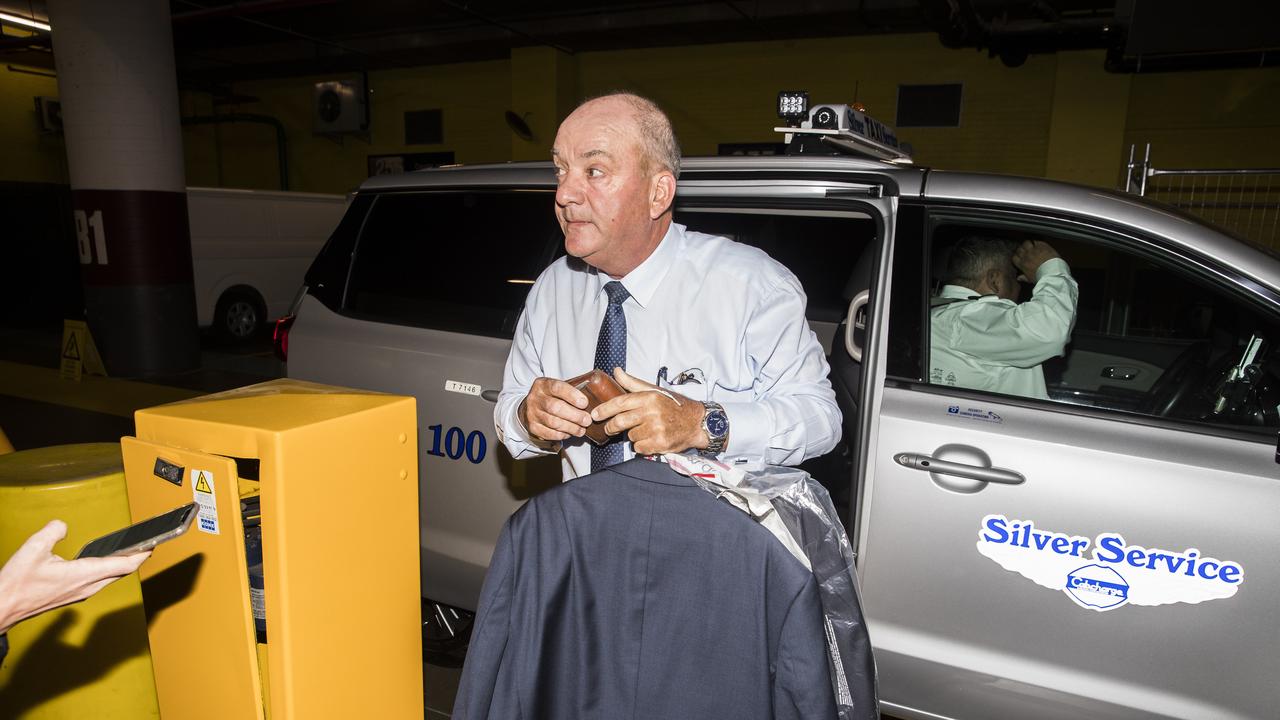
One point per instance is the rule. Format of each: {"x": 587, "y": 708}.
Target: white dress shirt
{"x": 698, "y": 301}
{"x": 988, "y": 343}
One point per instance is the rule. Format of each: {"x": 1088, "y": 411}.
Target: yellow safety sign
{"x": 79, "y": 354}
{"x": 72, "y": 350}
{"x": 202, "y": 485}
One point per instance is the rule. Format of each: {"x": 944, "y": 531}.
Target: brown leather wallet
{"x": 599, "y": 387}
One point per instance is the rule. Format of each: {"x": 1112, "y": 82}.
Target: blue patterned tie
{"x": 611, "y": 352}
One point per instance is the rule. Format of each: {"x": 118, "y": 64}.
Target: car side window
{"x": 457, "y": 261}
{"x": 1102, "y": 326}
{"x": 822, "y": 250}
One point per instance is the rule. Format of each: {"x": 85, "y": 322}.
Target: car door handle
{"x": 853, "y": 322}
{"x": 1111, "y": 372}
{"x": 920, "y": 461}
{"x": 490, "y": 395}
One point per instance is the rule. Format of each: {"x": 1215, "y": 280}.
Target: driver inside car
{"x": 982, "y": 338}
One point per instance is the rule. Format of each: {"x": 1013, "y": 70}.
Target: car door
{"x": 1044, "y": 558}
{"x": 829, "y": 231}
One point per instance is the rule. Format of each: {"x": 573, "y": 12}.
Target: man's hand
{"x": 654, "y": 422}
{"x": 553, "y": 410}
{"x": 1029, "y": 256}
{"x": 35, "y": 580}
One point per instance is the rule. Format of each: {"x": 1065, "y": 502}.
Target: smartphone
{"x": 144, "y": 535}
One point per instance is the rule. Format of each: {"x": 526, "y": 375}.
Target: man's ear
{"x": 662, "y": 192}
{"x": 993, "y": 279}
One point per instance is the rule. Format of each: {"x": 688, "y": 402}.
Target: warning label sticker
{"x": 202, "y": 493}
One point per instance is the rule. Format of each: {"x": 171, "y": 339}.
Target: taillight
{"x": 280, "y": 337}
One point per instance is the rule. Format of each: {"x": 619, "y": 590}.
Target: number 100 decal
{"x": 453, "y": 443}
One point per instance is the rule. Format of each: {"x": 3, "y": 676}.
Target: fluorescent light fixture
{"x": 520, "y": 282}
{"x": 27, "y": 22}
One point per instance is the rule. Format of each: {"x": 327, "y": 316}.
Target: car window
{"x": 459, "y": 261}
{"x": 821, "y": 250}
{"x": 1150, "y": 336}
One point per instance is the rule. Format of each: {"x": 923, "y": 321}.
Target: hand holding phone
{"x": 142, "y": 536}
{"x": 34, "y": 580}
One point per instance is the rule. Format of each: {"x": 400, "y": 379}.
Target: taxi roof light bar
{"x": 837, "y": 130}
{"x": 793, "y": 106}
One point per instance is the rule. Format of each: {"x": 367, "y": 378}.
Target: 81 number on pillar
{"x": 87, "y": 225}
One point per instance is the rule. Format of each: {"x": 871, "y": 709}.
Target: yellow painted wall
{"x": 1058, "y": 115}
{"x": 1086, "y": 132}
{"x": 1209, "y": 119}
{"x": 544, "y": 90}
{"x": 726, "y": 93}
{"x": 473, "y": 97}
{"x": 27, "y": 154}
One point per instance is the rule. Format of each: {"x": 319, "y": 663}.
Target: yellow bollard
{"x": 89, "y": 660}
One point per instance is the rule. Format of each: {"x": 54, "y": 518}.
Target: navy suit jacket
{"x": 633, "y": 593}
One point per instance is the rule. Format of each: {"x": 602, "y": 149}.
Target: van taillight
{"x": 280, "y": 337}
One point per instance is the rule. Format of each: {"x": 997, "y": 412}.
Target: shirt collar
{"x": 958, "y": 291}
{"x": 642, "y": 282}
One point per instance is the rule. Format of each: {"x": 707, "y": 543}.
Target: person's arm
{"x": 534, "y": 413}
{"x": 1026, "y": 334}
{"x": 523, "y": 367}
{"x": 794, "y": 416}
{"x": 35, "y": 580}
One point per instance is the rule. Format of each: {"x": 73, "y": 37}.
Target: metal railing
{"x": 1243, "y": 201}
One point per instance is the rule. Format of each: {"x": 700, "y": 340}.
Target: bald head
{"x": 616, "y": 160}
{"x": 659, "y": 149}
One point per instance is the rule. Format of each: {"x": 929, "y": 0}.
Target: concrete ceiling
{"x": 220, "y": 41}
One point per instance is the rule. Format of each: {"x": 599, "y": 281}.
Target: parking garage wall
{"x": 1207, "y": 119}
{"x": 29, "y": 155}
{"x": 1060, "y": 115}
{"x": 725, "y": 93}
{"x": 471, "y": 96}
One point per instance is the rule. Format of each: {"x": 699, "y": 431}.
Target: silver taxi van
{"x": 1110, "y": 552}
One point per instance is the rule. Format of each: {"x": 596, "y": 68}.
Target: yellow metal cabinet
{"x": 335, "y": 474}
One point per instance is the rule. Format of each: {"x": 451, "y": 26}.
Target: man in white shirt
{"x": 646, "y": 299}
{"x": 982, "y": 338}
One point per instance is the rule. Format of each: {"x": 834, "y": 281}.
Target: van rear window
{"x": 457, "y": 261}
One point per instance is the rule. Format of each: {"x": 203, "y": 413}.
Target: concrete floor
{"x": 39, "y": 409}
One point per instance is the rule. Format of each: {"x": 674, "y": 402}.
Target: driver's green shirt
{"x": 987, "y": 343}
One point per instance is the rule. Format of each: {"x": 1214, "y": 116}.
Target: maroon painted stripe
{"x": 143, "y": 234}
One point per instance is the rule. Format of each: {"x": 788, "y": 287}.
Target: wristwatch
{"x": 715, "y": 423}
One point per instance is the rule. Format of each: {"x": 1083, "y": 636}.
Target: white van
{"x": 249, "y": 251}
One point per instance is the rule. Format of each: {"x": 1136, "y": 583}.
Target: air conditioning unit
{"x": 340, "y": 106}
{"x": 49, "y": 114}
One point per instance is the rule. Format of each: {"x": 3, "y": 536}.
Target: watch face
{"x": 717, "y": 423}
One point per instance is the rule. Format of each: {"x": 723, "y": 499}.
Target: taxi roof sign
{"x": 839, "y": 129}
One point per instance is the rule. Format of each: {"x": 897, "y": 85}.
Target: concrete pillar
{"x": 119, "y": 94}
{"x": 544, "y": 90}
{"x": 1086, "y": 129}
